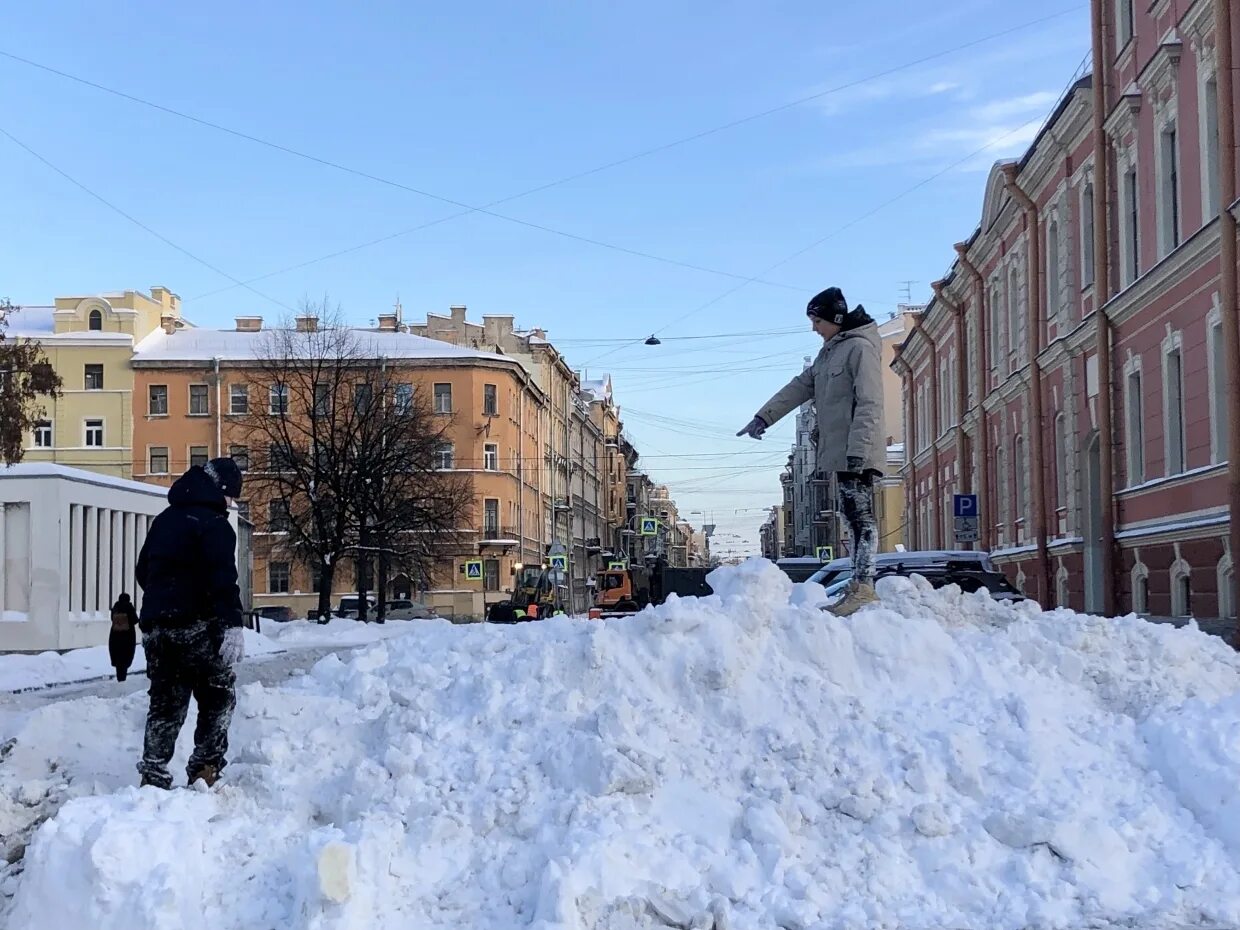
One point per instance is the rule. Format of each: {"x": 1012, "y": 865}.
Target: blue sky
{"x": 478, "y": 101}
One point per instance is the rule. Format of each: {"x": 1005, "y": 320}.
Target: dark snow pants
{"x": 182, "y": 662}
{"x": 857, "y": 502}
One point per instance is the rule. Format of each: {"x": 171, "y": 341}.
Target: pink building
{"x": 1004, "y": 395}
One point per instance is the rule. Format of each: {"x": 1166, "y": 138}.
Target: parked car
{"x": 971, "y": 571}
{"x": 903, "y": 563}
{"x": 350, "y": 603}
{"x": 799, "y": 568}
{"x": 277, "y": 613}
{"x": 407, "y": 610}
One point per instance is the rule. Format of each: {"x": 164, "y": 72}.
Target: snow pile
{"x": 22, "y": 671}
{"x": 336, "y": 632}
{"x": 737, "y": 761}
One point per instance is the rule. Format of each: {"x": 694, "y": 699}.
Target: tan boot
{"x": 860, "y": 595}
{"x": 208, "y": 775}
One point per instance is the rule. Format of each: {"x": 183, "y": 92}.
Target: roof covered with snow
{"x": 30, "y": 322}
{"x": 206, "y": 344}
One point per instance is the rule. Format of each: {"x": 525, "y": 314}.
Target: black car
{"x": 971, "y": 571}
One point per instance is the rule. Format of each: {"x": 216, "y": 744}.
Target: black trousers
{"x": 857, "y": 503}
{"x": 184, "y": 662}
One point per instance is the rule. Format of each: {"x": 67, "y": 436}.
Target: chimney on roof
{"x": 307, "y": 324}
{"x": 458, "y": 313}
{"x": 387, "y": 322}
{"x": 249, "y": 324}
{"x": 169, "y": 323}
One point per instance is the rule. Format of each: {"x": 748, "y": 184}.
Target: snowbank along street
{"x": 740, "y": 761}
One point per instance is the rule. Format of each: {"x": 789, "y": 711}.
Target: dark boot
{"x": 207, "y": 774}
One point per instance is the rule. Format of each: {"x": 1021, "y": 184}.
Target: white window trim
{"x": 1207, "y": 71}
{"x": 167, "y": 406}
{"x": 233, "y": 395}
{"x": 51, "y": 434}
{"x": 1134, "y": 476}
{"x": 1168, "y": 239}
{"x": 1060, "y": 438}
{"x": 1126, "y": 160}
{"x": 167, "y": 454}
{"x": 486, "y": 456}
{"x": 103, "y": 432}
{"x": 1140, "y": 572}
{"x": 189, "y": 399}
{"x": 274, "y": 391}
{"x": 189, "y": 454}
{"x": 1087, "y": 239}
{"x": 1180, "y": 570}
{"x": 435, "y": 397}
{"x": 1121, "y": 24}
{"x": 1173, "y": 343}
{"x": 1218, "y": 415}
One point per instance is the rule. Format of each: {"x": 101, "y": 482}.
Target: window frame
{"x": 1134, "y": 422}
{"x": 205, "y": 455}
{"x": 206, "y": 396}
{"x": 152, "y": 452}
{"x": 87, "y": 429}
{"x": 88, "y": 369}
{"x": 95, "y": 316}
{"x": 240, "y": 455}
{"x": 1166, "y": 158}
{"x": 41, "y": 426}
{"x": 402, "y": 398}
{"x": 1173, "y": 349}
{"x": 238, "y": 392}
{"x": 150, "y": 400}
{"x": 1216, "y": 373}
{"x": 490, "y": 456}
{"x": 490, "y": 400}
{"x": 278, "y": 393}
{"x": 286, "y": 575}
{"x": 445, "y": 452}
{"x": 438, "y": 395}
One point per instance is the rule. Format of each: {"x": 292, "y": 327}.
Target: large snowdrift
{"x": 739, "y": 761}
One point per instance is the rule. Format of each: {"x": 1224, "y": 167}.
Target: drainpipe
{"x": 219, "y": 411}
{"x": 1102, "y": 295}
{"x": 935, "y": 426}
{"x": 980, "y": 373}
{"x": 1037, "y": 445}
{"x": 910, "y": 445}
{"x": 1229, "y": 285}
{"x": 962, "y": 449}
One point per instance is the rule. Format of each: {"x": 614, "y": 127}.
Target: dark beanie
{"x": 226, "y": 475}
{"x": 830, "y": 305}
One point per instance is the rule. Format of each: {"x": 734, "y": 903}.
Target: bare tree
{"x": 344, "y": 453}
{"x": 26, "y": 376}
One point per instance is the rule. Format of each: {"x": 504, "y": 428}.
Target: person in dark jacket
{"x": 191, "y": 621}
{"x": 123, "y": 640}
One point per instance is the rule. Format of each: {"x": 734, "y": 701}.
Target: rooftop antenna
{"x": 907, "y": 288}
{"x": 400, "y": 313}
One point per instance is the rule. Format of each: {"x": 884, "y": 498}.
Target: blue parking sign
{"x": 964, "y": 505}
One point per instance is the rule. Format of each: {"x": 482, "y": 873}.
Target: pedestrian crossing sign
{"x": 650, "y": 526}
{"x": 824, "y": 553}
{"x": 473, "y": 570}
{"x": 559, "y": 562}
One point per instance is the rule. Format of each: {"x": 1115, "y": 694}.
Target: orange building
{"x": 193, "y": 388}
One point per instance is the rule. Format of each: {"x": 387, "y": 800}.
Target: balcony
{"x": 496, "y": 535}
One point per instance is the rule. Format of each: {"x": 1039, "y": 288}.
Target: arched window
{"x": 1226, "y": 604}
{"x": 1014, "y": 327}
{"x": 1018, "y": 476}
{"x": 1140, "y": 589}
{"x": 1053, "y": 291}
{"x": 1061, "y": 462}
{"x": 96, "y": 320}
{"x": 1181, "y": 589}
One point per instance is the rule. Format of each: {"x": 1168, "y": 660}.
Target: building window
{"x": 1218, "y": 387}
{"x": 43, "y": 434}
{"x": 1226, "y": 581}
{"x": 490, "y": 456}
{"x": 362, "y": 394}
{"x": 1053, "y": 299}
{"x": 1181, "y": 590}
{"x": 1134, "y": 435}
{"x": 243, "y": 509}
{"x": 443, "y": 398}
{"x": 490, "y": 401}
{"x": 1087, "y": 236}
{"x": 444, "y": 457}
{"x": 157, "y": 460}
{"x": 277, "y": 577}
{"x": 199, "y": 402}
{"x": 1130, "y": 226}
{"x": 1061, "y": 461}
{"x": 157, "y": 400}
{"x": 1173, "y": 412}
{"x": 402, "y": 399}
{"x": 490, "y": 575}
{"x": 96, "y": 321}
{"x": 996, "y": 327}
{"x": 94, "y": 434}
{"x": 278, "y": 519}
{"x": 1168, "y": 190}
{"x": 277, "y": 402}
{"x": 1019, "y": 475}
{"x": 279, "y": 457}
{"x": 1126, "y": 22}
{"x": 1014, "y": 328}
{"x": 322, "y": 406}
{"x": 198, "y": 455}
{"x": 1140, "y": 589}
{"x": 239, "y": 399}
{"x": 94, "y": 377}
{"x": 240, "y": 455}
{"x": 490, "y": 518}
{"x": 1001, "y": 492}
{"x": 1209, "y": 149}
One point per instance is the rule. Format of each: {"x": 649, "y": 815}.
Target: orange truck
{"x": 628, "y": 590}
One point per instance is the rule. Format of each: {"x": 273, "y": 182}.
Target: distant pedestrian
{"x": 123, "y": 639}
{"x": 191, "y": 621}
{"x": 845, "y": 383}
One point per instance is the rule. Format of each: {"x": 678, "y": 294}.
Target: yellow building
{"x": 89, "y": 341}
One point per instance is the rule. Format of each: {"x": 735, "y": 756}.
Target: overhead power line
{"x": 487, "y": 209}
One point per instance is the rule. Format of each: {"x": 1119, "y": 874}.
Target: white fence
{"x": 69, "y": 543}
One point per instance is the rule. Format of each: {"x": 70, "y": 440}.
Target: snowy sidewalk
{"x": 28, "y": 672}
{"x": 742, "y": 760}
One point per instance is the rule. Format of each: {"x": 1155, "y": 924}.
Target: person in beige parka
{"x": 846, "y": 386}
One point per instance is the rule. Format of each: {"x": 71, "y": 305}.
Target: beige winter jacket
{"x": 845, "y": 382}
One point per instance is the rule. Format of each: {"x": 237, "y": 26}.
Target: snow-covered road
{"x": 739, "y": 761}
